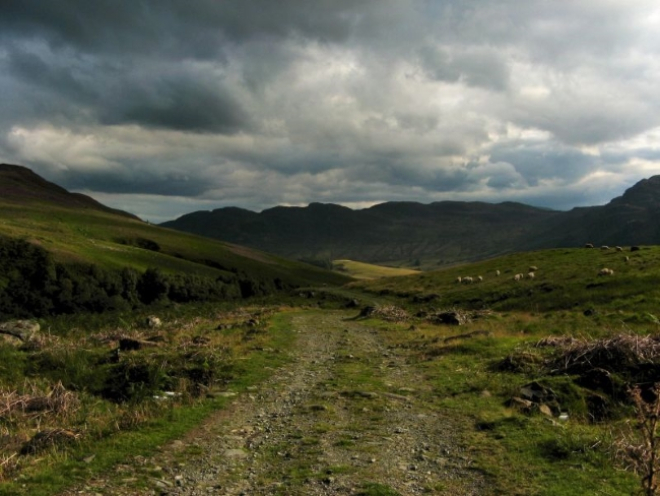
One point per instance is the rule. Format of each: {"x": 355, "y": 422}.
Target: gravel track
{"x": 346, "y": 416}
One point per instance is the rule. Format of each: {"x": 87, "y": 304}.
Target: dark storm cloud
{"x": 185, "y": 29}
{"x": 150, "y": 95}
{"x": 134, "y": 180}
{"x": 179, "y": 102}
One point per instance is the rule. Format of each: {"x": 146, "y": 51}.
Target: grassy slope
{"x": 361, "y": 270}
{"x": 566, "y": 279}
{"x": 91, "y": 236}
{"x": 114, "y": 433}
{"x": 578, "y": 456}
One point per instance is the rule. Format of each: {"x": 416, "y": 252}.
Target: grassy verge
{"x": 521, "y": 451}
{"x": 109, "y": 433}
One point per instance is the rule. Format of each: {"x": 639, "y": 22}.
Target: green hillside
{"x": 114, "y": 242}
{"x": 75, "y": 245}
{"x": 565, "y": 279}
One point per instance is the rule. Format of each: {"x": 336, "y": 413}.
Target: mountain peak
{"x": 645, "y": 193}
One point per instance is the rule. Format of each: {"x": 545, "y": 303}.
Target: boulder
{"x": 21, "y": 329}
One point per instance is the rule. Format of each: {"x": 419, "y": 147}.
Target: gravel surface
{"x": 347, "y": 416}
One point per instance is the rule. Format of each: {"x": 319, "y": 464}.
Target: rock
{"x": 520, "y": 404}
{"x": 129, "y": 344}
{"x": 21, "y": 329}
{"x": 545, "y": 410}
{"x": 163, "y": 484}
{"x": 235, "y": 453}
{"x": 537, "y": 393}
{"x": 450, "y": 318}
{"x": 152, "y": 321}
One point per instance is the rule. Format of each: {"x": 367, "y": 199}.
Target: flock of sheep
{"x": 605, "y": 271}
{"x": 517, "y": 277}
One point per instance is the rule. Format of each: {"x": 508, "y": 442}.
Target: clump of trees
{"x": 32, "y": 284}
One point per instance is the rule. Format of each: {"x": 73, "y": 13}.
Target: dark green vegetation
{"x": 443, "y": 233}
{"x": 64, "y": 253}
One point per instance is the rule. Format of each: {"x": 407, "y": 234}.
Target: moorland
{"x": 137, "y": 359}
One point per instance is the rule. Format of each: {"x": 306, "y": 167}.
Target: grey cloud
{"x": 542, "y": 161}
{"x": 475, "y": 66}
{"x": 152, "y": 95}
{"x": 180, "y": 102}
{"x": 133, "y": 181}
{"x": 198, "y": 28}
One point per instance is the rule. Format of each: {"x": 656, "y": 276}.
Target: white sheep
{"x": 532, "y": 268}
{"x": 497, "y": 273}
{"x": 530, "y": 275}
{"x": 604, "y": 247}
{"x": 589, "y": 245}
{"x": 480, "y": 279}
{"x": 518, "y": 277}
{"x": 459, "y": 279}
{"x": 468, "y": 280}
{"x": 606, "y": 272}
{"x": 627, "y": 259}
{"x": 618, "y": 248}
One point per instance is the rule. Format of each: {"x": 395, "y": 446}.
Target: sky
{"x": 163, "y": 107}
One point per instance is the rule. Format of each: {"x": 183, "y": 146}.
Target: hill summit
{"x": 20, "y": 185}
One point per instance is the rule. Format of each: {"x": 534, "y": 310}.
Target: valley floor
{"x": 347, "y": 415}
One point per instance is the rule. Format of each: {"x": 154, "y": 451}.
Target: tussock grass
{"x": 87, "y": 395}
{"x": 477, "y": 367}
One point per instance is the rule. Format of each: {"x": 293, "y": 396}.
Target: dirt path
{"x": 347, "y": 416}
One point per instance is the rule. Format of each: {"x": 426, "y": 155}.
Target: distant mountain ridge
{"x": 439, "y": 233}
{"x": 391, "y": 232}
{"x": 19, "y": 184}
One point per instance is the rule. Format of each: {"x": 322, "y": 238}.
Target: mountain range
{"x": 440, "y": 233}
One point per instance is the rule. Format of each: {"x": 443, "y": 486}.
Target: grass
{"x": 114, "y": 432}
{"x": 566, "y": 279}
{"x": 113, "y": 242}
{"x": 471, "y": 377}
{"x": 361, "y": 270}
{"x": 519, "y": 453}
